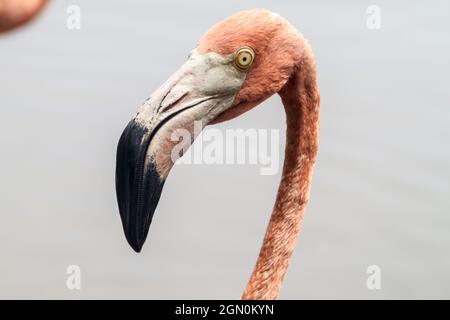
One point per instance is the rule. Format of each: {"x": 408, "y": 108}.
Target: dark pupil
{"x": 245, "y": 59}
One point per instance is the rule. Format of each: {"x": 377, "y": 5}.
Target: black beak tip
{"x": 137, "y": 246}
{"x": 138, "y": 185}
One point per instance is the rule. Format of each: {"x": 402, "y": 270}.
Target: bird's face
{"x": 233, "y": 68}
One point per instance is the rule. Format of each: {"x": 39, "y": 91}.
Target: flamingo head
{"x": 237, "y": 64}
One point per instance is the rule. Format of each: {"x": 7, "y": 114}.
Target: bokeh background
{"x": 381, "y": 186}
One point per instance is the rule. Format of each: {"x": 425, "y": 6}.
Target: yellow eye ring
{"x": 243, "y": 58}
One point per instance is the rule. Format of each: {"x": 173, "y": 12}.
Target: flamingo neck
{"x": 300, "y": 97}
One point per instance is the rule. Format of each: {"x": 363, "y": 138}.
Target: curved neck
{"x": 300, "y": 97}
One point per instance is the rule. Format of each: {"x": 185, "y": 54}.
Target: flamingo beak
{"x": 200, "y": 90}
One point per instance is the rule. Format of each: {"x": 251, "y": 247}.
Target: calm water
{"x": 380, "y": 193}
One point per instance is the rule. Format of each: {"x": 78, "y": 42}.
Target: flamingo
{"x": 14, "y": 13}
{"x": 238, "y": 63}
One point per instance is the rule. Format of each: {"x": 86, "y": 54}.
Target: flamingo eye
{"x": 243, "y": 58}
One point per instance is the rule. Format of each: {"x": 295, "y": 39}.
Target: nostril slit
{"x": 172, "y": 100}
